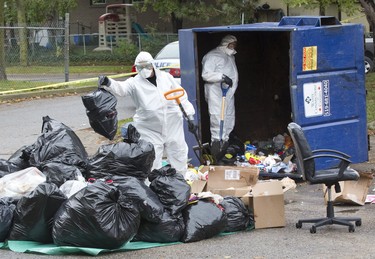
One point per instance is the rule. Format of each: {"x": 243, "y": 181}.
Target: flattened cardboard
{"x": 352, "y": 192}
{"x": 267, "y": 202}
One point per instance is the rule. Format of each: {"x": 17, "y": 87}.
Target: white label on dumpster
{"x": 232, "y": 175}
{"x": 313, "y": 99}
{"x": 326, "y": 101}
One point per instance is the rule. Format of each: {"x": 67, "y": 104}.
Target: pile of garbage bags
{"x": 53, "y": 192}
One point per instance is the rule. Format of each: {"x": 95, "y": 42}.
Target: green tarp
{"x": 52, "y": 249}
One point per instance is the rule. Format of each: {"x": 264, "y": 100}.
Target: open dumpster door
{"x": 328, "y": 85}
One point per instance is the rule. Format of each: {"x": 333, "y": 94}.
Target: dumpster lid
{"x": 287, "y": 23}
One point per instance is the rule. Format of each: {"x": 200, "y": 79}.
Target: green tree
{"x": 228, "y": 11}
{"x": 3, "y": 75}
{"x": 350, "y": 7}
{"x": 39, "y": 11}
{"x": 31, "y": 12}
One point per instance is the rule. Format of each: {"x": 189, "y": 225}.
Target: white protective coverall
{"x": 217, "y": 63}
{"x": 158, "y": 120}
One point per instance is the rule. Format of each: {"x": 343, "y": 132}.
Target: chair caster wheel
{"x": 358, "y": 223}
{"x": 298, "y": 225}
{"x": 313, "y": 230}
{"x": 351, "y": 229}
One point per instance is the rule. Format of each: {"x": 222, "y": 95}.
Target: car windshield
{"x": 170, "y": 51}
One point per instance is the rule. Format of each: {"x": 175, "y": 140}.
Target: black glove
{"x": 103, "y": 80}
{"x": 192, "y": 127}
{"x": 227, "y": 80}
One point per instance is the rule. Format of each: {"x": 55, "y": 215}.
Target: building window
{"x": 97, "y": 2}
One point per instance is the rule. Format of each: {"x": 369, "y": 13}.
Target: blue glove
{"x": 227, "y": 81}
{"x": 103, "y": 80}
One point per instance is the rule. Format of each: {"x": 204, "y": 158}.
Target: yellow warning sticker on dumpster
{"x": 310, "y": 56}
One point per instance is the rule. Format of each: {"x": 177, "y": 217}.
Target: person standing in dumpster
{"x": 158, "y": 120}
{"x": 220, "y": 71}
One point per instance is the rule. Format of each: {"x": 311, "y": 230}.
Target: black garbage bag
{"x": 21, "y": 157}
{"x": 169, "y": 229}
{"x": 239, "y": 217}
{"x": 148, "y": 203}
{"x": 7, "y": 208}
{"x": 97, "y": 216}
{"x": 16, "y": 162}
{"x": 133, "y": 157}
{"x": 171, "y": 188}
{"x": 58, "y": 143}
{"x": 7, "y": 167}
{"x": 59, "y": 173}
{"x": 203, "y": 220}
{"x": 33, "y": 216}
{"x": 101, "y": 111}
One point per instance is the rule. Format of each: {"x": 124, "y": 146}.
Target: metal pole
{"x": 66, "y": 49}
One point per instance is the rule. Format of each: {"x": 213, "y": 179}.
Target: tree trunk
{"x": 176, "y": 23}
{"x": 3, "y": 75}
{"x": 369, "y": 9}
{"x": 21, "y": 16}
{"x": 322, "y": 10}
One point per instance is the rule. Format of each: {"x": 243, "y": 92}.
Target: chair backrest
{"x": 302, "y": 151}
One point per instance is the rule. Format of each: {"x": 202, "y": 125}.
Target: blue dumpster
{"x": 309, "y": 70}
{"x": 81, "y": 39}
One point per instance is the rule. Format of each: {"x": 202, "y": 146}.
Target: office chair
{"x": 330, "y": 177}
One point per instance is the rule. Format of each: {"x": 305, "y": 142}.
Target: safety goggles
{"x": 141, "y": 66}
{"x": 232, "y": 45}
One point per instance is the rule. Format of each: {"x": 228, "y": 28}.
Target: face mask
{"x": 145, "y": 73}
{"x": 230, "y": 52}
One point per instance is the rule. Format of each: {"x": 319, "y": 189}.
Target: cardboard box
{"x": 198, "y": 186}
{"x": 352, "y": 192}
{"x": 267, "y": 202}
{"x": 227, "y": 180}
{"x": 236, "y": 192}
{"x": 223, "y": 177}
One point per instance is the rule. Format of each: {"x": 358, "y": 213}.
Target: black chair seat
{"x": 331, "y": 176}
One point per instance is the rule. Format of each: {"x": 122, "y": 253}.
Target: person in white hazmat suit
{"x": 158, "y": 120}
{"x": 219, "y": 70}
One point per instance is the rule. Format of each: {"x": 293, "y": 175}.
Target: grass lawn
{"x": 72, "y": 69}
{"x": 90, "y": 71}
{"x": 370, "y": 87}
